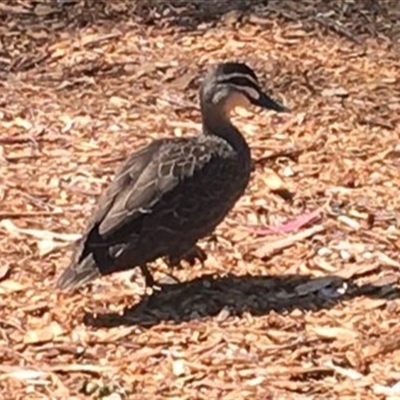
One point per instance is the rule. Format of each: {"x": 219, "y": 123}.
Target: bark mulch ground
{"x": 311, "y": 313}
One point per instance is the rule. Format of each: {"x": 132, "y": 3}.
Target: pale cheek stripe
{"x": 252, "y": 93}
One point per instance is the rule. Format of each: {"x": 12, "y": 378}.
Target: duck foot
{"x": 164, "y": 283}
{"x": 193, "y": 254}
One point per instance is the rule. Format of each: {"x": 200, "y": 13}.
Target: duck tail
{"x": 78, "y": 274}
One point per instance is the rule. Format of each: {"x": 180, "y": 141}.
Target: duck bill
{"x": 266, "y": 102}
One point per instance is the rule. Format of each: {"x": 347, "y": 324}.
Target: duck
{"x": 174, "y": 191}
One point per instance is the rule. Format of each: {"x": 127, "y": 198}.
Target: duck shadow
{"x": 233, "y": 295}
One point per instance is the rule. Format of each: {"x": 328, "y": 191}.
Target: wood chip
{"x": 340, "y": 334}
{"x": 262, "y": 249}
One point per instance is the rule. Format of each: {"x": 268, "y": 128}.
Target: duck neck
{"x": 218, "y": 124}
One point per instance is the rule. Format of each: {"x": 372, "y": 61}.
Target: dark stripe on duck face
{"x": 240, "y": 81}
{"x": 239, "y": 69}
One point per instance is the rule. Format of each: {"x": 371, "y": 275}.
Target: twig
{"x": 346, "y": 372}
{"x": 80, "y": 368}
{"x": 17, "y": 140}
{"x": 28, "y": 214}
{"x": 39, "y": 234}
{"x": 4, "y": 8}
{"x": 334, "y": 26}
{"x": 270, "y": 248}
{"x": 292, "y": 225}
{"x": 95, "y": 40}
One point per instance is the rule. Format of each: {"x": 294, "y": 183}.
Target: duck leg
{"x": 190, "y": 256}
{"x": 150, "y": 282}
{"x": 148, "y": 277}
{"x": 195, "y": 253}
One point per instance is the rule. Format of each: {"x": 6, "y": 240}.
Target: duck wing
{"x": 139, "y": 184}
{"x": 145, "y": 178}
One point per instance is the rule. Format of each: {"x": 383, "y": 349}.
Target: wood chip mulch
{"x": 308, "y": 314}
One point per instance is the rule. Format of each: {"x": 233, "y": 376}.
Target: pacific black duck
{"x": 175, "y": 191}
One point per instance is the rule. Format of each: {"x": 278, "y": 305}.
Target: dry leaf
{"x": 4, "y": 270}
{"x": 43, "y": 10}
{"x": 178, "y": 367}
{"x": 263, "y": 248}
{"x": 47, "y": 247}
{"x": 43, "y": 335}
{"x": 386, "y": 260}
{"x": 273, "y": 180}
{"x": 10, "y": 286}
{"x": 347, "y": 372}
{"x": 338, "y": 92}
{"x": 388, "y": 390}
{"x": 39, "y": 234}
{"x": 118, "y": 102}
{"x": 23, "y": 123}
{"x": 30, "y": 375}
{"x": 341, "y": 334}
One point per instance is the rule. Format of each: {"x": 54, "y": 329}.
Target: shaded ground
{"x": 83, "y": 84}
